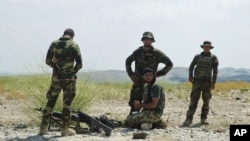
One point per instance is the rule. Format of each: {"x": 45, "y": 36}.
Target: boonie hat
{"x": 147, "y": 35}
{"x": 207, "y": 44}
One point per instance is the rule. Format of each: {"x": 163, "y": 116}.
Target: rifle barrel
{"x": 39, "y": 109}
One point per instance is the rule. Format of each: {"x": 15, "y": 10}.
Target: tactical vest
{"x": 204, "y": 66}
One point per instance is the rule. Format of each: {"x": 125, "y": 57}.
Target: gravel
{"x": 226, "y": 108}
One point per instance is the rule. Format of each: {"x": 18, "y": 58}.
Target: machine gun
{"x": 94, "y": 123}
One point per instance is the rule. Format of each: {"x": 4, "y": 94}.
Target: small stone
{"x": 237, "y": 98}
{"x": 205, "y": 130}
{"x": 142, "y": 135}
{"x": 220, "y": 130}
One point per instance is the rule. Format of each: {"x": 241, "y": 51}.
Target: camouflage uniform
{"x": 205, "y": 75}
{"x": 145, "y": 59}
{"x": 149, "y": 116}
{"x": 62, "y": 56}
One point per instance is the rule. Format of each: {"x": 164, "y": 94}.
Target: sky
{"x": 108, "y": 31}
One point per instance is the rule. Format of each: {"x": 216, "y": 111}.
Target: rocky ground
{"x": 231, "y": 107}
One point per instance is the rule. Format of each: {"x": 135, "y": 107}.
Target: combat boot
{"x": 67, "y": 132}
{"x": 204, "y": 122}
{"x": 187, "y": 122}
{"x": 43, "y": 130}
{"x": 160, "y": 124}
{"x": 44, "y": 126}
{"x": 45, "y": 121}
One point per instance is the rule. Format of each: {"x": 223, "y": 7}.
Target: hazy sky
{"x": 108, "y": 31}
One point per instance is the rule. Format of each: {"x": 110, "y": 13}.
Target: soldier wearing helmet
{"x": 203, "y": 72}
{"x": 145, "y": 56}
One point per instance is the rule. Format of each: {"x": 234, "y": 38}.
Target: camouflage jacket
{"x": 148, "y": 59}
{"x": 206, "y": 67}
{"x": 64, "y": 56}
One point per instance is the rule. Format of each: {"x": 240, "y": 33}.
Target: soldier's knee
{"x": 131, "y": 121}
{"x": 67, "y": 102}
{"x": 68, "y": 97}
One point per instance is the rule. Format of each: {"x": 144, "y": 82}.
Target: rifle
{"x": 55, "y": 119}
{"x": 78, "y": 116}
{"x": 93, "y": 123}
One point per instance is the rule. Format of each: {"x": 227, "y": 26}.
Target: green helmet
{"x": 147, "y": 35}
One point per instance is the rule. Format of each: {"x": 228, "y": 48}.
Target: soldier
{"x": 152, "y": 105}
{"x": 203, "y": 80}
{"x": 145, "y": 56}
{"x": 64, "y": 57}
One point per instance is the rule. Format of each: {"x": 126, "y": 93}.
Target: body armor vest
{"x": 204, "y": 66}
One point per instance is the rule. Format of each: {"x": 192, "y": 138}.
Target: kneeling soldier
{"x": 152, "y": 105}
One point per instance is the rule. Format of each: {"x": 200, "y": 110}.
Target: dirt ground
{"x": 231, "y": 107}
{"x": 226, "y": 108}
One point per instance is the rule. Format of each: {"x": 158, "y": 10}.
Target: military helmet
{"x": 208, "y": 44}
{"x": 147, "y": 35}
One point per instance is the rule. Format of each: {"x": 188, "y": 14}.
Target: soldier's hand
{"x": 133, "y": 78}
{"x": 191, "y": 79}
{"x": 136, "y": 105}
{"x": 212, "y": 86}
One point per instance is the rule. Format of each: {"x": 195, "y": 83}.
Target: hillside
{"x": 177, "y": 74}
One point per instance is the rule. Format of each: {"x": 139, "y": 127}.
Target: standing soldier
{"x": 145, "y": 56}
{"x": 64, "y": 57}
{"x": 205, "y": 75}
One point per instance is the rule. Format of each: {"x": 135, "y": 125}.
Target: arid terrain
{"x": 230, "y": 107}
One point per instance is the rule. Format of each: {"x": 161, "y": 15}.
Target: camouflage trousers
{"x": 197, "y": 90}
{"x": 136, "y": 93}
{"x": 69, "y": 87}
{"x": 135, "y": 120}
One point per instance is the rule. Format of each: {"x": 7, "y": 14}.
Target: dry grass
{"x": 16, "y": 95}
{"x": 233, "y": 85}
{"x": 223, "y": 87}
{"x": 1, "y": 90}
{"x": 12, "y": 94}
{"x": 36, "y": 86}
